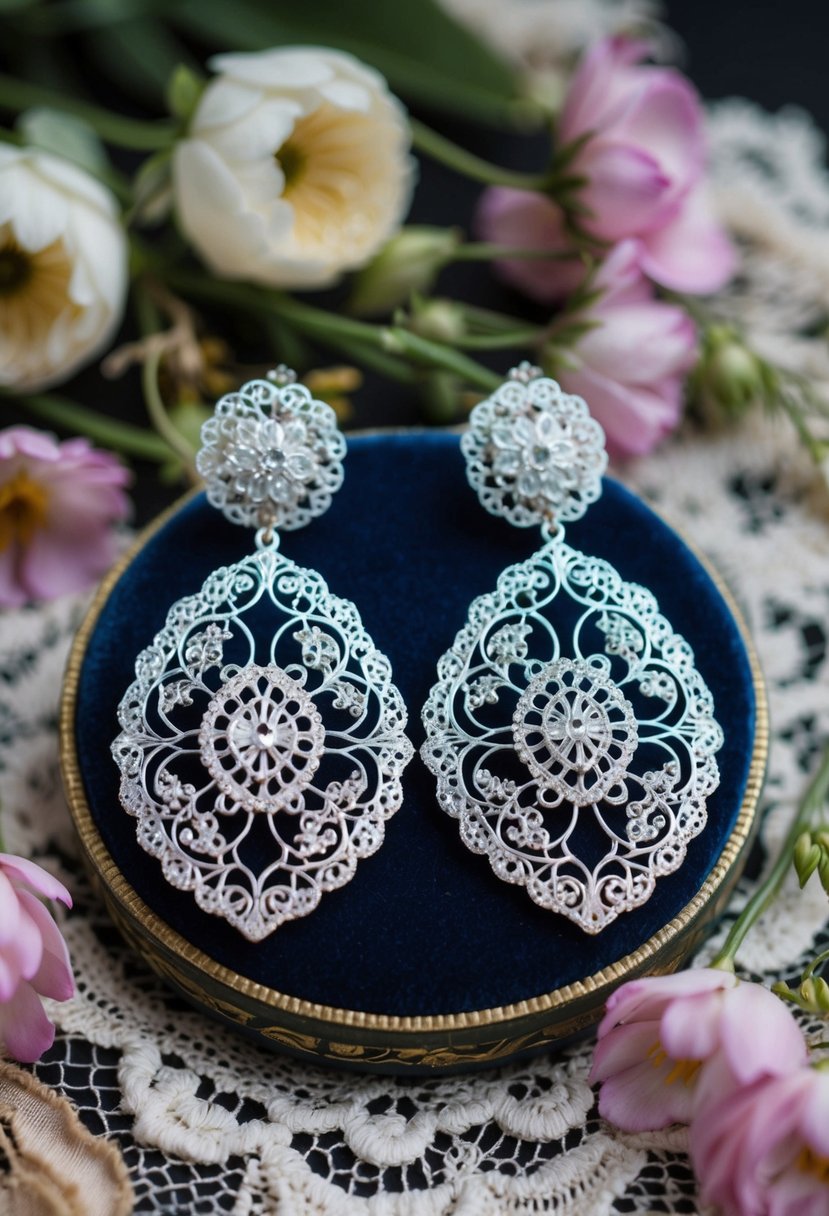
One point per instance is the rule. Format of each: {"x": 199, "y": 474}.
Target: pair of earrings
{"x": 263, "y": 743}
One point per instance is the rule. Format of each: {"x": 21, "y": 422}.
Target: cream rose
{"x": 63, "y": 268}
{"x": 296, "y": 168}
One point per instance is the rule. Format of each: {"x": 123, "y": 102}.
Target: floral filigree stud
{"x": 262, "y": 741}
{"x": 570, "y": 733}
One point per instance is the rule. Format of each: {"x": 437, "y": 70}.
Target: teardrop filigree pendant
{"x": 569, "y": 730}
{"x": 262, "y": 741}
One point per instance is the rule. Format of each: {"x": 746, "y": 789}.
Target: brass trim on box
{"x": 433, "y": 1041}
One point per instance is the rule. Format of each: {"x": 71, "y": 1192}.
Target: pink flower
{"x": 631, "y": 365}
{"x": 763, "y": 1150}
{"x": 644, "y": 161}
{"x": 58, "y": 502}
{"x": 523, "y": 220}
{"x": 644, "y": 164}
{"x": 659, "y": 1031}
{"x": 33, "y": 958}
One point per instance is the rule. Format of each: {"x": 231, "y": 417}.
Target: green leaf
{"x": 65, "y": 135}
{"x": 424, "y": 54}
{"x": 184, "y": 89}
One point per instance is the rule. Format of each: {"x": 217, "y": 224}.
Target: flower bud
{"x": 438, "y": 320}
{"x": 729, "y": 375}
{"x": 814, "y": 993}
{"x": 806, "y": 857}
{"x": 408, "y": 263}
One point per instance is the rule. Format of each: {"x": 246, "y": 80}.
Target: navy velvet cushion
{"x": 424, "y": 927}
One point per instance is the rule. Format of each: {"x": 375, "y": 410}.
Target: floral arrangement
{"x": 290, "y": 170}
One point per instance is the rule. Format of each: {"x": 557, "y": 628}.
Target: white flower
{"x": 296, "y": 168}
{"x": 63, "y": 268}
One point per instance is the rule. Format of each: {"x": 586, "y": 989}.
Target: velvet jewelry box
{"x": 425, "y": 960}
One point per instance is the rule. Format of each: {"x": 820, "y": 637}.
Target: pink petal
{"x": 24, "y": 1026}
{"x": 20, "y": 869}
{"x": 54, "y": 976}
{"x": 775, "y": 1043}
{"x": 624, "y": 1047}
{"x": 25, "y": 952}
{"x": 9, "y": 910}
{"x": 651, "y": 994}
{"x": 692, "y": 252}
{"x": 57, "y": 562}
{"x": 690, "y": 1028}
{"x": 814, "y": 1119}
{"x": 12, "y": 593}
{"x": 524, "y": 220}
{"x": 635, "y": 419}
{"x": 639, "y": 343}
{"x": 24, "y": 441}
{"x": 627, "y": 191}
{"x": 601, "y": 85}
{"x": 620, "y": 276}
{"x": 643, "y": 1099}
{"x": 665, "y": 121}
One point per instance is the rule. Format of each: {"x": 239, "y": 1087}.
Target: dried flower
{"x": 296, "y": 169}
{"x": 58, "y": 502}
{"x": 34, "y": 961}
{"x": 63, "y": 268}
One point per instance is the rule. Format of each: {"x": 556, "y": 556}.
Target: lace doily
{"x": 207, "y": 1123}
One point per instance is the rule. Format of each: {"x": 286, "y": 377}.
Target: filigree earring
{"x": 262, "y": 741}
{"x": 570, "y": 733}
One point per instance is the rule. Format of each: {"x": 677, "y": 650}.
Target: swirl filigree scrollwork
{"x": 567, "y": 707}
{"x": 262, "y": 743}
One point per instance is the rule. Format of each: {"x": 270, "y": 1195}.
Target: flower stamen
{"x": 34, "y": 291}
{"x": 24, "y": 506}
{"x": 683, "y": 1070}
{"x": 810, "y": 1162}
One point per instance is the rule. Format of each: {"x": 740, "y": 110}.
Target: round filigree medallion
{"x": 271, "y": 455}
{"x": 262, "y": 739}
{"x": 575, "y": 731}
{"x": 533, "y": 453}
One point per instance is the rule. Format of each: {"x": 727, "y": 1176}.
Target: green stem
{"x": 816, "y": 962}
{"x": 486, "y": 251}
{"x": 334, "y": 329}
{"x": 17, "y": 95}
{"x": 149, "y": 323}
{"x": 78, "y": 420}
{"x": 438, "y": 148}
{"x": 812, "y": 801}
{"x": 158, "y": 413}
{"x": 530, "y": 336}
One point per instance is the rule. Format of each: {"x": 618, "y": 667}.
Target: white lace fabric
{"x": 208, "y": 1123}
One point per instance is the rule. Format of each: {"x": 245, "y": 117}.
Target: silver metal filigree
{"x": 579, "y": 767}
{"x": 271, "y": 455}
{"x": 569, "y": 730}
{"x": 262, "y": 743}
{"x": 533, "y": 453}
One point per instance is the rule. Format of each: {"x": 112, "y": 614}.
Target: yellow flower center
{"x": 683, "y": 1070}
{"x": 811, "y": 1163}
{"x": 23, "y": 507}
{"x": 334, "y": 163}
{"x": 34, "y": 290}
